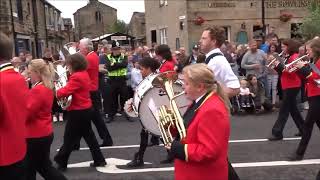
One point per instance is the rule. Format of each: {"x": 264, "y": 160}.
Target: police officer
{"x": 116, "y": 65}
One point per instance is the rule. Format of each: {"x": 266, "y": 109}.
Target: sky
{"x": 125, "y": 8}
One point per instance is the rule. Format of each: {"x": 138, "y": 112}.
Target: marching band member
{"x": 79, "y": 113}
{"x": 13, "y": 100}
{"x": 148, "y": 66}
{"x": 164, "y": 55}
{"x": 39, "y": 126}
{"x": 290, "y": 84}
{"x": 202, "y": 154}
{"x": 86, "y": 49}
{"x": 312, "y": 76}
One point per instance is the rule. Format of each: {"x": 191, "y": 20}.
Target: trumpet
{"x": 291, "y": 67}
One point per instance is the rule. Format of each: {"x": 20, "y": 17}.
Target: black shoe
{"x": 295, "y": 157}
{"x": 167, "y": 161}
{"x": 109, "y": 119}
{"x": 136, "y": 162}
{"x": 100, "y": 164}
{"x": 76, "y": 147}
{"x": 299, "y": 134}
{"x": 153, "y": 144}
{"x": 61, "y": 168}
{"x": 275, "y": 138}
{"x": 106, "y": 143}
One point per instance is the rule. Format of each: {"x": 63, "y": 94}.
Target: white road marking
{"x": 112, "y": 168}
{"x": 230, "y": 141}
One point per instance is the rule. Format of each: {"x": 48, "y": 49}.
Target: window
{"x": 227, "y": 31}
{"x": 98, "y": 16}
{"x": 47, "y": 15}
{"x": 19, "y": 8}
{"x": 163, "y": 36}
{"x": 163, "y": 3}
{"x": 296, "y": 30}
{"x": 29, "y": 9}
{"x": 153, "y": 36}
{"x": 177, "y": 43}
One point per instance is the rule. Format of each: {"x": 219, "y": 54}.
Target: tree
{"x": 310, "y": 27}
{"x": 119, "y": 26}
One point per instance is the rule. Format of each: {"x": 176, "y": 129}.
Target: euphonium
{"x": 291, "y": 66}
{"x": 60, "y": 82}
{"x": 169, "y": 117}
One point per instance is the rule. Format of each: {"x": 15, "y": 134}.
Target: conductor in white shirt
{"x": 211, "y": 40}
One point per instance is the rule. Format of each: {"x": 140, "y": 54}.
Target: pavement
{"x": 253, "y": 157}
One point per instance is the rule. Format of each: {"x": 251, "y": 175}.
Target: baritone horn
{"x": 169, "y": 117}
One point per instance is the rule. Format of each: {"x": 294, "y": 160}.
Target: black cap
{"x": 115, "y": 44}
{"x": 196, "y": 46}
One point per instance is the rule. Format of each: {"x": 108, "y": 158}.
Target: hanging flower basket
{"x": 285, "y": 17}
{"x": 198, "y": 21}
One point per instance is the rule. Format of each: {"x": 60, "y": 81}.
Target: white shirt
{"x": 136, "y": 78}
{"x": 244, "y": 91}
{"x": 198, "y": 99}
{"x": 222, "y": 70}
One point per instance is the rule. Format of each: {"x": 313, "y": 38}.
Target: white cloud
{"x": 125, "y": 8}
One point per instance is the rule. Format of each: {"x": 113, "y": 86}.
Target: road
{"x": 253, "y": 157}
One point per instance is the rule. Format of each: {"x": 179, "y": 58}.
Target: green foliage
{"x": 311, "y": 24}
{"x": 119, "y": 26}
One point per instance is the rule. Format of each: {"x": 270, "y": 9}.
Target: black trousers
{"x": 78, "y": 126}
{"x": 318, "y": 176}
{"x": 16, "y": 171}
{"x": 97, "y": 119}
{"x": 312, "y": 117}
{"x": 38, "y": 159}
{"x": 143, "y": 143}
{"x": 232, "y": 175}
{"x": 289, "y": 105}
{"x": 104, "y": 89}
{"x": 118, "y": 86}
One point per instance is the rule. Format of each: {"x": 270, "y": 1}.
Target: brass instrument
{"x": 169, "y": 117}
{"x": 61, "y": 78}
{"x": 60, "y": 82}
{"x": 291, "y": 66}
{"x": 275, "y": 59}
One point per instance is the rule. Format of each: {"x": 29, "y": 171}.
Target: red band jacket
{"x": 289, "y": 80}
{"x": 313, "y": 89}
{"x": 13, "y": 114}
{"x": 79, "y": 87}
{"x": 203, "y": 153}
{"x": 93, "y": 70}
{"x": 39, "y": 122}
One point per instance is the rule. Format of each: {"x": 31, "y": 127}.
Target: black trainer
{"x": 136, "y": 162}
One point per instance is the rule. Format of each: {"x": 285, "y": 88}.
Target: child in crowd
{"x": 244, "y": 96}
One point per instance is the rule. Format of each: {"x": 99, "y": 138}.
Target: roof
{"x": 94, "y": 2}
{"x": 112, "y": 34}
{"x": 47, "y": 2}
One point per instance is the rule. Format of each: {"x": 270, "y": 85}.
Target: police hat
{"x": 196, "y": 46}
{"x": 115, "y": 45}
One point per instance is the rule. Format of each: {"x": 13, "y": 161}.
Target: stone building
{"x": 180, "y": 23}
{"x": 94, "y": 19}
{"x": 33, "y": 25}
{"x": 137, "y": 28}
{"x": 68, "y": 31}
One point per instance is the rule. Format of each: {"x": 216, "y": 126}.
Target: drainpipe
{"x": 13, "y": 29}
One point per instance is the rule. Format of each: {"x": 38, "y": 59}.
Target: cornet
{"x": 291, "y": 67}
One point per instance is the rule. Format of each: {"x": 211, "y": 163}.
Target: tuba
{"x": 169, "y": 117}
